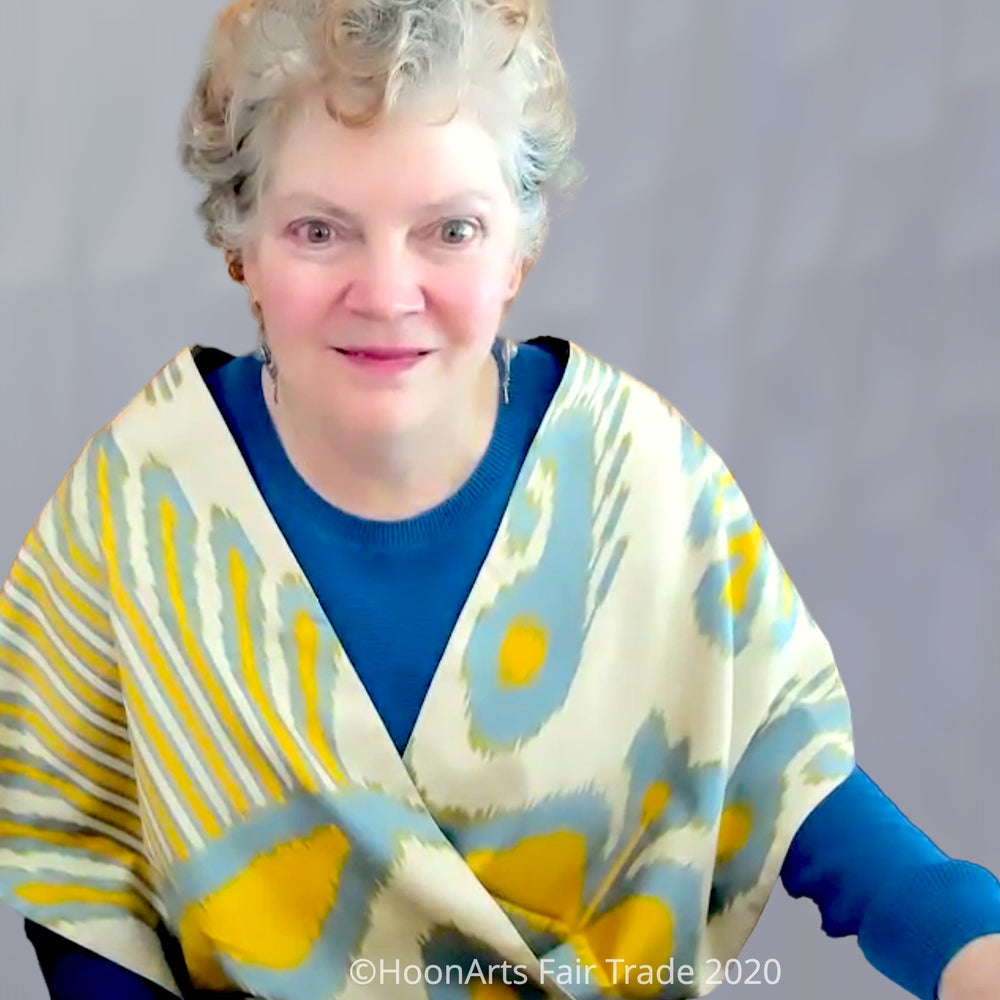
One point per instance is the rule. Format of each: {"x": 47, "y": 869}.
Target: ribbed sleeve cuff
{"x": 920, "y": 920}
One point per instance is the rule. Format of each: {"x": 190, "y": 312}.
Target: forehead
{"x": 400, "y": 161}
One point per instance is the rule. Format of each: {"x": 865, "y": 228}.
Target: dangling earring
{"x": 263, "y": 348}
{"x": 507, "y": 355}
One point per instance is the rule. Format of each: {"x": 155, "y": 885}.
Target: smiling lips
{"x": 382, "y": 353}
{"x": 384, "y": 359}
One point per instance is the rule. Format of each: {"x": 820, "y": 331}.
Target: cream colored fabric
{"x": 633, "y": 716}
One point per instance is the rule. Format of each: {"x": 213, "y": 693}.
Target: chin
{"x": 381, "y": 417}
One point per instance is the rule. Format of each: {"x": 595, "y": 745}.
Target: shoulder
{"x": 634, "y": 413}
{"x": 179, "y": 388}
{"x": 159, "y": 419}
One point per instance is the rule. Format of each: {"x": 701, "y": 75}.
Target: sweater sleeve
{"x": 876, "y": 876}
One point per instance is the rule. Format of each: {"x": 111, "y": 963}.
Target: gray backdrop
{"x": 790, "y": 227}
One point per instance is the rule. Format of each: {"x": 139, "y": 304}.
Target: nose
{"x": 385, "y": 284}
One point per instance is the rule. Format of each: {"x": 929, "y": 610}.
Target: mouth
{"x": 383, "y": 362}
{"x": 383, "y": 353}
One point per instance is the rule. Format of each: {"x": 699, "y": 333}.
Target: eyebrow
{"x": 313, "y": 202}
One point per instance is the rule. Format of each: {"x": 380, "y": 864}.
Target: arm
{"x": 874, "y": 875}
{"x": 72, "y": 972}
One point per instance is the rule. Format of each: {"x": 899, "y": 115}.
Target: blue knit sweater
{"x": 870, "y": 872}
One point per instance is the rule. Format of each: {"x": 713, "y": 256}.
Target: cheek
{"x": 296, "y": 298}
{"x": 470, "y": 302}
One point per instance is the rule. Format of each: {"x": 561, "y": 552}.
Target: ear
{"x": 249, "y": 282}
{"x": 247, "y": 255}
{"x": 518, "y": 273}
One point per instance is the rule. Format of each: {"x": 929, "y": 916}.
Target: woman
{"x": 395, "y": 645}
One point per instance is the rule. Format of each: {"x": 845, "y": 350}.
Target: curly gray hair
{"x": 370, "y": 57}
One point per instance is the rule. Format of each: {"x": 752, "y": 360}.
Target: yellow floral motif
{"x": 745, "y": 551}
{"x": 655, "y": 801}
{"x": 542, "y": 878}
{"x": 636, "y": 932}
{"x": 272, "y": 913}
{"x": 522, "y": 652}
{"x": 734, "y": 831}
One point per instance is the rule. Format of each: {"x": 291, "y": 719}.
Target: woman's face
{"x": 382, "y": 259}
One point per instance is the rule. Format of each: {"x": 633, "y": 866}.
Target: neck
{"x": 388, "y": 478}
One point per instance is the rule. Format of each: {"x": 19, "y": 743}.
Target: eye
{"x": 455, "y": 232}
{"x": 315, "y": 232}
